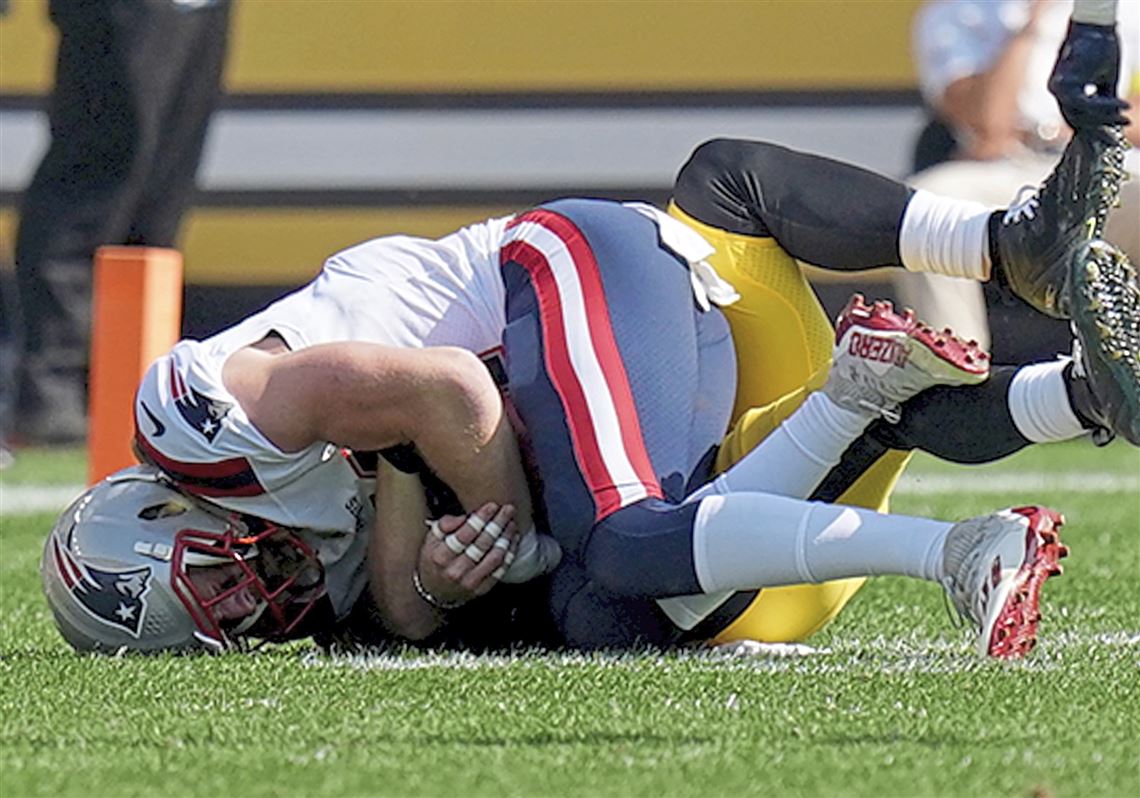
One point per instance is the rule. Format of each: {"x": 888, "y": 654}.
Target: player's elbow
{"x": 730, "y": 156}
{"x": 459, "y": 395}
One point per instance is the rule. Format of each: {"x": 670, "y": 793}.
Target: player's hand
{"x": 465, "y": 556}
{"x": 1085, "y": 76}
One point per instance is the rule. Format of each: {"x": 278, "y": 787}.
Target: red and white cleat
{"x": 995, "y": 567}
{"x": 882, "y": 358}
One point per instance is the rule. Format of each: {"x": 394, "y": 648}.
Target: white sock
{"x": 945, "y": 236}
{"x": 1039, "y": 403}
{"x": 744, "y": 541}
{"x": 797, "y": 455}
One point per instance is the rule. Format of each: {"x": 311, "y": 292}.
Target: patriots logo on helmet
{"x": 199, "y": 411}
{"x": 117, "y": 598}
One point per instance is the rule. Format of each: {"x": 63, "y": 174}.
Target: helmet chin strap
{"x": 213, "y": 645}
{"x": 248, "y": 621}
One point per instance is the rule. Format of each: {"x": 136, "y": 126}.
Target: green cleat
{"x": 1038, "y": 235}
{"x": 1104, "y": 300}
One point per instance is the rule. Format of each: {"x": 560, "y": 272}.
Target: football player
{"x": 621, "y": 367}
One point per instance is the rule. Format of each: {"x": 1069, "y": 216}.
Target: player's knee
{"x": 645, "y": 549}
{"x": 733, "y": 156}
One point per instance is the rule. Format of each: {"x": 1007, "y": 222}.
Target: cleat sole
{"x": 1105, "y": 302}
{"x": 1014, "y": 627}
{"x": 941, "y": 353}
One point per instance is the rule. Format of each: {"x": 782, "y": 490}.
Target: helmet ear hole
{"x": 168, "y": 509}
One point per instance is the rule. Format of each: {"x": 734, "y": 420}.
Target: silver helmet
{"x": 117, "y": 570}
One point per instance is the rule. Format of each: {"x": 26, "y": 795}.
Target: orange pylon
{"x": 136, "y": 317}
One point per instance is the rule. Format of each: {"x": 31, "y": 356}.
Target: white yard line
{"x": 1035, "y": 481}
{"x": 25, "y": 499}
{"x": 884, "y": 654}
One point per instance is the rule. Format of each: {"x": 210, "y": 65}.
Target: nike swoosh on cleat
{"x": 159, "y": 427}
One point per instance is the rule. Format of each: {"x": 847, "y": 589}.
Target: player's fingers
{"x": 438, "y": 552}
{"x": 473, "y": 524}
{"x": 508, "y": 558}
{"x": 434, "y": 529}
{"x": 458, "y": 541}
{"x": 496, "y": 550}
{"x": 490, "y": 532}
{"x": 434, "y": 550}
{"x": 486, "y": 574}
{"x": 475, "y": 548}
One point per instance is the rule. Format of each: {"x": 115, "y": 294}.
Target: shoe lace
{"x": 1024, "y": 205}
{"x": 891, "y": 413}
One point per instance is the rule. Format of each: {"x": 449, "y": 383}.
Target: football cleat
{"x": 995, "y": 567}
{"x": 882, "y": 358}
{"x": 1038, "y": 235}
{"x": 1105, "y": 306}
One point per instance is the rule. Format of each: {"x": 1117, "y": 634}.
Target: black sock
{"x": 997, "y": 273}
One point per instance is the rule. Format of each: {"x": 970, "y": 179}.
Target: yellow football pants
{"x": 783, "y": 344}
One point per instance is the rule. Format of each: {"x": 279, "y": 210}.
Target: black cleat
{"x": 1038, "y": 235}
{"x": 1104, "y": 299}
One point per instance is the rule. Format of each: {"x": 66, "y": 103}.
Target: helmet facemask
{"x": 134, "y": 564}
{"x": 277, "y": 568}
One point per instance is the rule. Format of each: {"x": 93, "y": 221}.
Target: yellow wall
{"x": 500, "y": 45}
{"x": 359, "y": 46}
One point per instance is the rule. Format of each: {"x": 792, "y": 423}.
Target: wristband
{"x": 433, "y": 600}
{"x": 1094, "y": 12}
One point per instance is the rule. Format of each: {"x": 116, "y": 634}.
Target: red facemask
{"x": 279, "y": 569}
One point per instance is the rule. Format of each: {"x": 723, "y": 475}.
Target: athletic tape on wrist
{"x": 1094, "y": 12}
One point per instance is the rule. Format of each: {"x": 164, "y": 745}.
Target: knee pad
{"x": 644, "y": 549}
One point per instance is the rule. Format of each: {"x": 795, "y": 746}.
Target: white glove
{"x": 536, "y": 555}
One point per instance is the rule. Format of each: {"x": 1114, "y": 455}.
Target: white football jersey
{"x": 398, "y": 291}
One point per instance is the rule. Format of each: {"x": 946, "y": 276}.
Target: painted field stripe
{"x": 1028, "y": 482}
{"x": 903, "y": 654}
{"x": 25, "y": 499}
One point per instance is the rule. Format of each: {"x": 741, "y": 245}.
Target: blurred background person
{"x": 983, "y": 68}
{"x": 135, "y": 84}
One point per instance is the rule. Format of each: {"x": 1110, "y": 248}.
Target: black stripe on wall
{"x": 403, "y": 198}
{"x": 319, "y": 101}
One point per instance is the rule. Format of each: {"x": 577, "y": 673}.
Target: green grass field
{"x": 896, "y": 705}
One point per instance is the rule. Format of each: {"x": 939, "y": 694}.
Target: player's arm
{"x": 367, "y": 396}
{"x": 416, "y": 577}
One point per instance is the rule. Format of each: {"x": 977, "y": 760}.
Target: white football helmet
{"x": 116, "y": 567}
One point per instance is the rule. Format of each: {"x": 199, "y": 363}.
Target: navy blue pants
{"x": 625, "y": 387}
